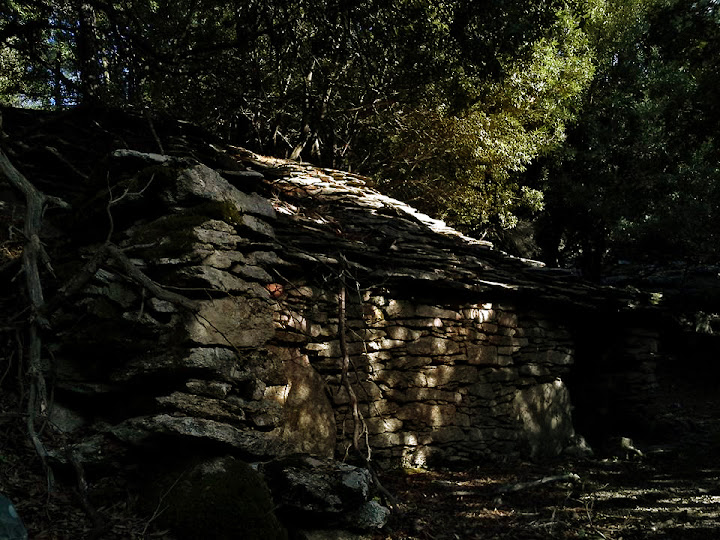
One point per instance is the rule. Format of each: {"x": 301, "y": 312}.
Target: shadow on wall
{"x": 443, "y": 384}
{"x": 309, "y": 419}
{"x": 534, "y": 421}
{"x": 545, "y": 414}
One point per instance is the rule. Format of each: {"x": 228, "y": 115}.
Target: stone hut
{"x": 267, "y": 307}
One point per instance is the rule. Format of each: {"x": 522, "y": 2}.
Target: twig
{"x": 359, "y": 426}
{"x": 148, "y": 116}
{"x": 34, "y": 403}
{"x": 115, "y": 200}
{"x": 158, "y": 509}
{"x": 7, "y": 369}
{"x": 63, "y": 159}
{"x": 77, "y": 282}
{"x": 13, "y": 415}
{"x": 100, "y": 527}
{"x": 20, "y": 349}
{"x": 510, "y": 488}
{"x": 222, "y": 334}
{"x": 358, "y": 422}
{"x": 588, "y": 511}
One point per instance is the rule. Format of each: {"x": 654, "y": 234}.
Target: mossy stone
{"x": 178, "y": 230}
{"x": 221, "y": 498}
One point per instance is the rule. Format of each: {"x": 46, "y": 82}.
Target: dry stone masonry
{"x": 438, "y": 382}
{"x": 211, "y": 302}
{"x": 213, "y": 316}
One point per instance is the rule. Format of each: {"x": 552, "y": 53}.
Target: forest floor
{"x": 660, "y": 496}
{"x": 672, "y": 492}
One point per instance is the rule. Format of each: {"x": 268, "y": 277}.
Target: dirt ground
{"x": 667, "y": 495}
{"x": 672, "y": 491}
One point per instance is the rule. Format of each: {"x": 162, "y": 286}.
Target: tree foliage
{"x": 445, "y": 100}
{"x": 638, "y": 175}
{"x": 608, "y": 103}
{"x": 462, "y": 159}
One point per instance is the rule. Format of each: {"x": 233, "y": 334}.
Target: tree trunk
{"x": 88, "y": 55}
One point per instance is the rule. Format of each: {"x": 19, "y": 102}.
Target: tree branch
{"x": 358, "y": 422}
{"x": 35, "y": 202}
{"x": 510, "y": 488}
{"x": 359, "y": 426}
{"x": 157, "y": 290}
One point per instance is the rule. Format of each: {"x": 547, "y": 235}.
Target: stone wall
{"x": 193, "y": 313}
{"x": 230, "y": 336}
{"x": 447, "y": 382}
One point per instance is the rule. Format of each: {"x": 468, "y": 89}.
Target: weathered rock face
{"x": 324, "y": 493}
{"x": 216, "y": 319}
{"x": 200, "y": 369}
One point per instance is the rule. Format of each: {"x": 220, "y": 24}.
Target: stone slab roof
{"x": 335, "y": 219}
{"x": 322, "y": 218}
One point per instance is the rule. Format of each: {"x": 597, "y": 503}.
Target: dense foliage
{"x": 602, "y": 112}
{"x": 638, "y": 177}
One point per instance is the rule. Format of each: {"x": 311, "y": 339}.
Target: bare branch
{"x": 157, "y": 290}
{"x": 510, "y": 488}
{"x": 148, "y": 117}
{"x": 37, "y": 399}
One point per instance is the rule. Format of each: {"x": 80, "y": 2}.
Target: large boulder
{"x": 324, "y": 493}
{"x": 218, "y": 498}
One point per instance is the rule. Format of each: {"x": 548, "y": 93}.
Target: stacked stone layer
{"x": 457, "y": 350}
